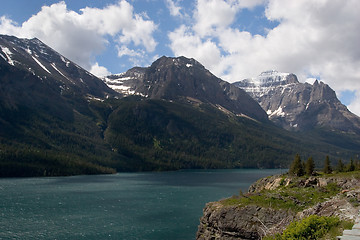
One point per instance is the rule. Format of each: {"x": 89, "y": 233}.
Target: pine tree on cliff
{"x": 327, "y": 166}
{"x": 351, "y": 166}
{"x": 340, "y": 166}
{"x": 309, "y": 166}
{"x": 357, "y": 165}
{"x": 296, "y": 167}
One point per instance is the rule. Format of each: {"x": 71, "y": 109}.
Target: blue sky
{"x": 234, "y": 39}
{"x": 252, "y": 20}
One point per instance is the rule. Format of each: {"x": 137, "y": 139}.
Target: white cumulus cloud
{"x": 312, "y": 38}
{"x": 81, "y": 36}
{"x": 213, "y": 14}
{"x": 355, "y": 104}
{"x": 174, "y": 8}
{"x": 186, "y": 43}
{"x": 99, "y": 71}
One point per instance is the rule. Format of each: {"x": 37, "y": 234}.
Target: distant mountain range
{"x": 58, "y": 119}
{"x": 299, "y": 106}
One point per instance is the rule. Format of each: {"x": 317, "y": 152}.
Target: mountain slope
{"x": 163, "y": 135}
{"x": 47, "y": 122}
{"x": 186, "y": 80}
{"x": 300, "y": 106}
{"x": 34, "y": 57}
{"x": 35, "y": 76}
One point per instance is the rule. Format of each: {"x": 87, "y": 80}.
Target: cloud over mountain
{"x": 312, "y": 38}
{"x": 81, "y": 36}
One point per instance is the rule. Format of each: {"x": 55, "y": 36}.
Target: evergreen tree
{"x": 309, "y": 166}
{"x": 327, "y": 166}
{"x": 340, "y": 166}
{"x": 351, "y": 166}
{"x": 357, "y": 165}
{"x": 296, "y": 167}
{"x": 303, "y": 167}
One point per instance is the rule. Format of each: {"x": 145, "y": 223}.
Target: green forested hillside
{"x": 34, "y": 142}
{"x": 138, "y": 134}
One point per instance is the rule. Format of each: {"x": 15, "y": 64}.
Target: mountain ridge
{"x": 187, "y": 80}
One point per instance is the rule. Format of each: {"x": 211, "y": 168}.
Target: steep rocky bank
{"x": 274, "y": 202}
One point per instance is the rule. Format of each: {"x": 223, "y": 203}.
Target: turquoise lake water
{"x": 162, "y": 205}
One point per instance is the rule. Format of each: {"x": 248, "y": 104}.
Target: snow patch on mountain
{"x": 8, "y": 54}
{"x": 278, "y": 112}
{"x": 65, "y": 61}
{"x": 28, "y": 50}
{"x": 54, "y": 66}
{"x": 117, "y": 83}
{"x": 40, "y": 64}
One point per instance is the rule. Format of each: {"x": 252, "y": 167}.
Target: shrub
{"x": 312, "y": 227}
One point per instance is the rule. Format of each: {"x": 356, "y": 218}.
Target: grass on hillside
{"x": 292, "y": 197}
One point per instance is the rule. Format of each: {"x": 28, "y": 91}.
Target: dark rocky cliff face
{"x": 299, "y": 106}
{"x": 184, "y": 79}
{"x": 232, "y": 222}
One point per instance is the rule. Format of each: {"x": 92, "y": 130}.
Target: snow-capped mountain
{"x": 299, "y": 106}
{"x": 185, "y": 80}
{"x": 266, "y": 82}
{"x": 31, "y": 56}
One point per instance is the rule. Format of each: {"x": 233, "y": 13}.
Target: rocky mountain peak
{"x": 299, "y": 106}
{"x": 179, "y": 62}
{"x": 185, "y": 79}
{"x": 265, "y": 82}
{"x": 322, "y": 91}
{"x": 274, "y": 77}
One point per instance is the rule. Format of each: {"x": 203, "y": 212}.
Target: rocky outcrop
{"x": 235, "y": 221}
{"x": 273, "y": 182}
{"x": 340, "y": 206}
